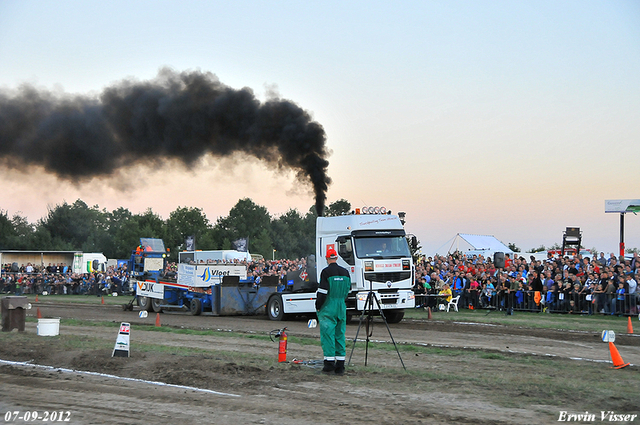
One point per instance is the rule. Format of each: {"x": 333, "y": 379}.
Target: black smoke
{"x": 177, "y": 115}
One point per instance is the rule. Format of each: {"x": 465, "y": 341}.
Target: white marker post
{"x": 608, "y": 336}
{"x": 121, "y": 348}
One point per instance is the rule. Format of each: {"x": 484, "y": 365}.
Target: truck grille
{"x": 389, "y": 301}
{"x": 387, "y": 276}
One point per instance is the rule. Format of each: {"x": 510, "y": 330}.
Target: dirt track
{"x": 565, "y": 344}
{"x": 283, "y": 393}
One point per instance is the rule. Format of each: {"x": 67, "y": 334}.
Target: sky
{"x": 512, "y": 119}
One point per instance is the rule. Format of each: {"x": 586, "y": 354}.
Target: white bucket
{"x": 48, "y": 327}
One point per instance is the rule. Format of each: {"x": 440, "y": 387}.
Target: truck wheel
{"x": 195, "y": 308}
{"x": 394, "y": 316}
{"x": 155, "y": 305}
{"x": 144, "y": 303}
{"x": 274, "y": 308}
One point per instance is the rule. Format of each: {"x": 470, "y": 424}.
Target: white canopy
{"x": 468, "y": 244}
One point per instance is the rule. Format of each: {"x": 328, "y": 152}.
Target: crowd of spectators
{"x": 59, "y": 279}
{"x": 259, "y": 268}
{"x": 569, "y": 284}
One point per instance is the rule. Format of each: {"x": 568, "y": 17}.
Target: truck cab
{"x": 374, "y": 249}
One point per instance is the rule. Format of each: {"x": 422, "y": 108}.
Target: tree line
{"x": 79, "y": 227}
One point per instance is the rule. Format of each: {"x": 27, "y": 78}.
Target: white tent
{"x": 469, "y": 245}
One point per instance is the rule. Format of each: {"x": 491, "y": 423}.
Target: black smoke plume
{"x": 179, "y": 116}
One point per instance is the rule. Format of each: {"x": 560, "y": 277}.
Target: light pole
{"x": 273, "y": 255}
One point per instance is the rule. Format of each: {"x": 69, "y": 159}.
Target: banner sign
{"x": 207, "y": 275}
{"x": 241, "y": 244}
{"x": 388, "y": 266}
{"x": 190, "y": 243}
{"x": 150, "y": 288}
{"x": 622, "y": 205}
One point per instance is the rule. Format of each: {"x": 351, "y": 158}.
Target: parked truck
{"x": 211, "y": 286}
{"x": 226, "y": 255}
{"x": 86, "y": 262}
{"x": 374, "y": 248}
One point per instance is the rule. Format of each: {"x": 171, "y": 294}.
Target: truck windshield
{"x": 382, "y": 247}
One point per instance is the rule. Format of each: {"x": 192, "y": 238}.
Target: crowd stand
{"x": 570, "y": 284}
{"x": 58, "y": 278}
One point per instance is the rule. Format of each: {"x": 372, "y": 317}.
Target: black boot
{"x": 329, "y": 366}
{"x": 339, "y": 367}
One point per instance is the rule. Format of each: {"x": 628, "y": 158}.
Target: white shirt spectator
{"x": 633, "y": 285}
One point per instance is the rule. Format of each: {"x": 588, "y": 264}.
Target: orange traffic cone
{"x": 618, "y": 363}
{"x": 36, "y": 297}
{"x": 629, "y": 326}
{"x": 428, "y": 313}
{"x": 102, "y": 300}
{"x": 39, "y": 315}
{"x": 158, "y": 319}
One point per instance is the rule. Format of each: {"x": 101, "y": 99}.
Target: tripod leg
{"x": 358, "y": 331}
{"x": 389, "y": 330}
{"x": 356, "y": 338}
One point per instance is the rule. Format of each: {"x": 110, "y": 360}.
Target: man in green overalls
{"x": 334, "y": 286}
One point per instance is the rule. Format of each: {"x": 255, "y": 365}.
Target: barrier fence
{"x": 545, "y": 301}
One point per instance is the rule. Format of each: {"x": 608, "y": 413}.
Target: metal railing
{"x": 545, "y": 301}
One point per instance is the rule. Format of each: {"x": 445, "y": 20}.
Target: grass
{"x": 586, "y": 323}
{"x": 509, "y": 380}
{"x": 79, "y": 299}
{"x": 181, "y": 331}
{"x": 595, "y": 323}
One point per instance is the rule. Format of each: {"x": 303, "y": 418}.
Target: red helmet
{"x": 331, "y": 253}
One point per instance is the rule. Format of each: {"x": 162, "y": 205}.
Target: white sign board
{"x": 150, "y": 289}
{"x": 203, "y": 276}
{"x": 388, "y": 266}
{"x": 621, "y": 205}
{"x": 186, "y": 274}
{"x": 153, "y": 264}
{"x": 121, "y": 349}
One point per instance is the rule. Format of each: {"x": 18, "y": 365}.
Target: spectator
{"x": 446, "y": 293}
{"x": 488, "y": 293}
{"x": 632, "y": 290}
{"x": 610, "y": 292}
{"x": 620, "y": 298}
{"x": 474, "y": 288}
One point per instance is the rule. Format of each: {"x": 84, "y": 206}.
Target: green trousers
{"x": 333, "y": 323}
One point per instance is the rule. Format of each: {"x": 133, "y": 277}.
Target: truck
{"x": 221, "y": 288}
{"x": 88, "y": 262}
{"x": 227, "y": 255}
{"x": 375, "y": 251}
